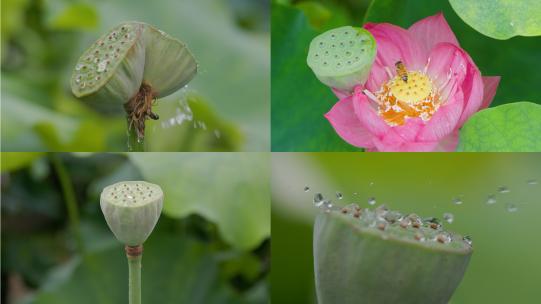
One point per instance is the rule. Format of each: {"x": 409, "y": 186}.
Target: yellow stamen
{"x": 398, "y": 100}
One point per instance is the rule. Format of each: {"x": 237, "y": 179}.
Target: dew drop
{"x": 102, "y": 66}
{"x": 318, "y": 199}
{"x": 448, "y": 217}
{"x": 339, "y": 195}
{"x": 503, "y": 189}
{"x": 372, "y": 201}
{"x": 327, "y": 206}
{"x": 306, "y": 188}
{"x": 457, "y": 201}
{"x": 510, "y": 207}
{"x": 491, "y": 199}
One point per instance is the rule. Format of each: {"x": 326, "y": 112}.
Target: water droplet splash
{"x": 448, "y": 217}
{"x": 491, "y": 199}
{"x": 457, "y": 201}
{"x": 510, "y": 207}
{"x": 503, "y": 189}
{"x": 318, "y": 199}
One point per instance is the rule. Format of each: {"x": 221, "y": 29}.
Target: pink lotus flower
{"x": 423, "y": 113}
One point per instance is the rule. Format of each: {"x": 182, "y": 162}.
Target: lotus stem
{"x": 70, "y": 200}
{"x": 134, "y": 255}
{"x": 135, "y": 144}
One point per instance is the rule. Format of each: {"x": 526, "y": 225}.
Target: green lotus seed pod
{"x": 129, "y": 67}
{"x": 132, "y": 209}
{"x": 382, "y": 256}
{"x": 342, "y": 57}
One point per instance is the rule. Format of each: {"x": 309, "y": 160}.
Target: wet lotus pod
{"x": 341, "y": 58}
{"x": 129, "y": 67}
{"x": 132, "y": 209}
{"x": 361, "y": 256}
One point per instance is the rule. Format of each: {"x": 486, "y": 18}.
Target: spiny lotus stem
{"x": 382, "y": 256}
{"x": 341, "y": 58}
{"x": 128, "y": 68}
{"x": 131, "y": 210}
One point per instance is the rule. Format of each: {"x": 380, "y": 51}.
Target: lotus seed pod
{"x": 342, "y": 57}
{"x": 131, "y": 209}
{"x": 129, "y": 67}
{"x": 382, "y": 256}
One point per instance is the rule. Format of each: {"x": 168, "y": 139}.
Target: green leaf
{"x": 30, "y": 127}
{"x": 175, "y": 270}
{"x": 501, "y": 19}
{"x": 63, "y": 15}
{"x": 230, "y": 189}
{"x": 514, "y": 127}
{"x": 299, "y": 100}
{"x": 16, "y": 160}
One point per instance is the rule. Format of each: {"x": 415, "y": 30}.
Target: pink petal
{"x": 490, "y": 84}
{"x": 344, "y": 121}
{"x": 445, "y": 120}
{"x": 432, "y": 30}
{"x": 340, "y": 94}
{"x": 409, "y": 131}
{"x": 396, "y": 44}
{"x": 385, "y": 146}
{"x": 377, "y": 77}
{"x": 473, "y": 93}
{"x": 446, "y": 60}
{"x": 368, "y": 116}
{"x": 448, "y": 144}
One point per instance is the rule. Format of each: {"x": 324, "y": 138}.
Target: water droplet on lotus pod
{"x": 143, "y": 54}
{"x": 131, "y": 212}
{"x": 337, "y": 70}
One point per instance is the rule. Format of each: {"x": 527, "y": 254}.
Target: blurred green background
{"x": 505, "y": 265}
{"x": 225, "y": 108}
{"x": 299, "y": 100}
{"x": 211, "y": 244}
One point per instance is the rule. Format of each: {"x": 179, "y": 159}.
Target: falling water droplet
{"x": 503, "y": 189}
{"x": 457, "y": 201}
{"x": 448, "y": 217}
{"x": 306, "y": 188}
{"x": 371, "y": 184}
{"x": 372, "y": 201}
{"x": 339, "y": 195}
{"x": 355, "y": 193}
{"x": 491, "y": 199}
{"x": 532, "y": 182}
{"x": 468, "y": 240}
{"x": 327, "y": 206}
{"x": 318, "y": 199}
{"x": 511, "y": 207}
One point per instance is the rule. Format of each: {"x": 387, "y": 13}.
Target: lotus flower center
{"x": 410, "y": 94}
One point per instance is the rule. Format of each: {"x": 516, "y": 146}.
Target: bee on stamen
{"x": 401, "y": 71}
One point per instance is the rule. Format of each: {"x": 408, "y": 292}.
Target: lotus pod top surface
{"x": 128, "y": 55}
{"x": 342, "y": 57}
{"x": 132, "y": 209}
{"x": 409, "y": 229}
